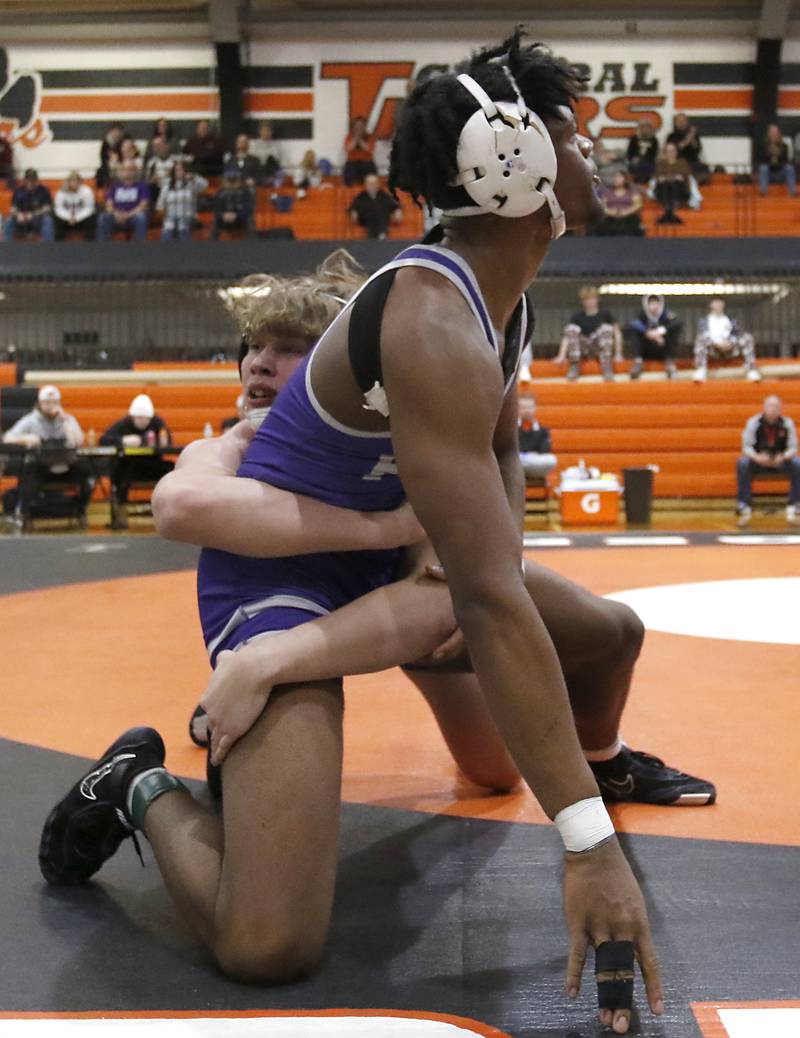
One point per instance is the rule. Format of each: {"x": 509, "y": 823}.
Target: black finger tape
{"x": 615, "y": 994}
{"x": 613, "y": 955}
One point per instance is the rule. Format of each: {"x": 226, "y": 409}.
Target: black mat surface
{"x": 432, "y": 913}
{"x": 32, "y": 562}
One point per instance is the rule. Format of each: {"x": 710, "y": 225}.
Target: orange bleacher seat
{"x": 693, "y": 433}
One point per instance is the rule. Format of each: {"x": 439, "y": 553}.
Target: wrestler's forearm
{"x": 251, "y": 518}
{"x": 393, "y": 625}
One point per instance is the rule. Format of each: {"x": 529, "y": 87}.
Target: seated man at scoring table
{"x": 48, "y": 426}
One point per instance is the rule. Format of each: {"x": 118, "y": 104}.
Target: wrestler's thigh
{"x": 585, "y": 628}
{"x": 582, "y": 625}
{"x": 281, "y": 785}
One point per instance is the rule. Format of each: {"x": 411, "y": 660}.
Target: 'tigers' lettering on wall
{"x": 633, "y": 90}
{"x": 618, "y": 94}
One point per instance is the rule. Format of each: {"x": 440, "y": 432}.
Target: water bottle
{"x": 208, "y": 430}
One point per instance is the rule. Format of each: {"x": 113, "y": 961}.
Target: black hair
{"x": 170, "y": 130}
{"x": 424, "y": 148}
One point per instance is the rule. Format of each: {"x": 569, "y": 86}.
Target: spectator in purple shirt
{"x": 622, "y": 204}
{"x": 127, "y": 202}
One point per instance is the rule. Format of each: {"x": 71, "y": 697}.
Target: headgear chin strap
{"x": 506, "y": 160}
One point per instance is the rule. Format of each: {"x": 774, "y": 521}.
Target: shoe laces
{"x": 647, "y": 758}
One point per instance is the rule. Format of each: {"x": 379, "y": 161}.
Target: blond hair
{"x": 302, "y": 306}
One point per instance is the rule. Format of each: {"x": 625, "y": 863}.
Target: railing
{"x": 111, "y": 323}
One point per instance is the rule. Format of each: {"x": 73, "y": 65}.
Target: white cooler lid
{"x": 583, "y": 485}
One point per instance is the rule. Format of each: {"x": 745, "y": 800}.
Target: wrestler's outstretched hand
{"x": 603, "y": 903}
{"x": 234, "y": 700}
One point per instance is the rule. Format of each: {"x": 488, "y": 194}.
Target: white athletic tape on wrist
{"x": 584, "y": 825}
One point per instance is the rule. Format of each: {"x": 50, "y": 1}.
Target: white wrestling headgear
{"x": 506, "y": 160}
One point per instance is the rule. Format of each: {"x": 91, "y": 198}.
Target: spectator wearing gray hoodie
{"x": 655, "y": 333}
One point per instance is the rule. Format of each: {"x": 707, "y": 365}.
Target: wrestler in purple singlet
{"x": 303, "y": 449}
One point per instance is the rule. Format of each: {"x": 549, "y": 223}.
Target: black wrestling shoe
{"x": 85, "y": 828}
{"x": 634, "y": 776}
{"x": 198, "y": 727}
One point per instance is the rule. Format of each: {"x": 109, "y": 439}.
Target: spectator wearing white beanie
{"x": 141, "y": 427}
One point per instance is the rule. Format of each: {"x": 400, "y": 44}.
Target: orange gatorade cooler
{"x": 589, "y": 501}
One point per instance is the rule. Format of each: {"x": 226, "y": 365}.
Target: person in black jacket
{"x": 141, "y": 427}
{"x": 374, "y": 209}
{"x": 769, "y": 445}
{"x": 535, "y": 449}
{"x": 655, "y": 333}
{"x": 233, "y": 205}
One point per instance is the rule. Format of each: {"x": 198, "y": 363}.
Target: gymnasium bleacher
{"x": 728, "y": 208}
{"x": 321, "y": 214}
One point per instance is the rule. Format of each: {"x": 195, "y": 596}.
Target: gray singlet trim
{"x": 247, "y": 612}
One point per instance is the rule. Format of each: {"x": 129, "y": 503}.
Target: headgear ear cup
{"x": 506, "y": 160}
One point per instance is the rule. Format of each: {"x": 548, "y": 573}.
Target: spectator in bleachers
{"x": 774, "y": 162}
{"x": 234, "y": 419}
{"x": 309, "y": 173}
{"x": 6, "y": 160}
{"x": 128, "y": 152}
{"x": 642, "y": 152}
{"x": 374, "y": 208}
{"x": 719, "y": 335}
{"x": 609, "y": 163}
{"x": 126, "y": 207}
{"x": 686, "y": 139}
{"x": 240, "y": 159}
{"x": 178, "y": 202}
{"x": 110, "y": 153}
{"x": 591, "y": 331}
{"x": 31, "y": 210}
{"x": 359, "y": 150}
{"x": 269, "y": 154}
{"x": 141, "y": 427}
{"x": 622, "y": 205}
{"x": 655, "y": 334}
{"x": 158, "y": 167}
{"x": 48, "y": 425}
{"x": 74, "y": 208}
{"x": 535, "y": 448}
{"x": 205, "y": 150}
{"x": 671, "y": 184}
{"x": 233, "y": 206}
{"x": 163, "y": 130}
{"x": 769, "y": 445}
